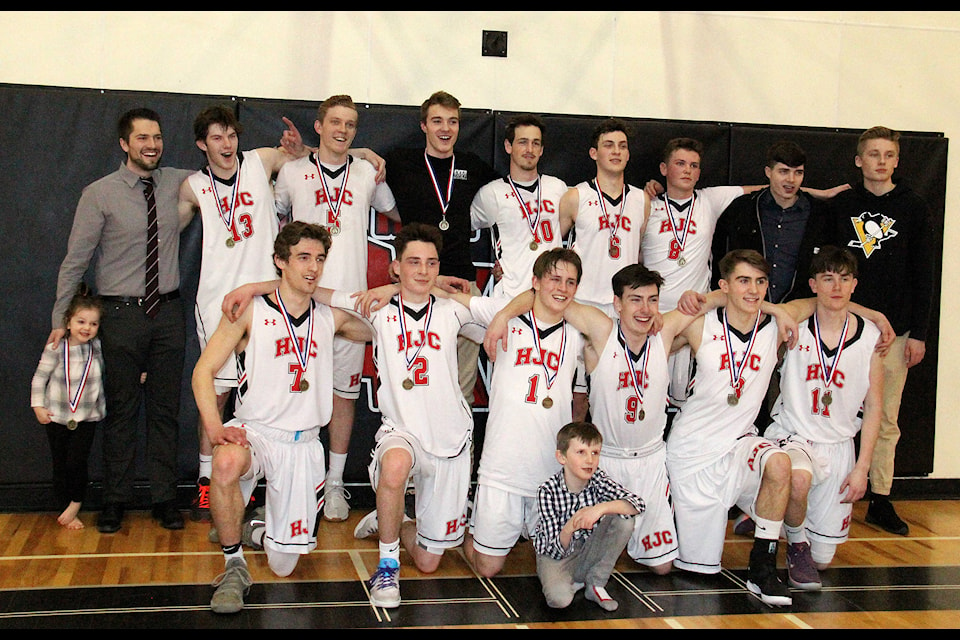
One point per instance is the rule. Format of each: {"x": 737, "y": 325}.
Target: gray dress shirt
{"x": 110, "y": 230}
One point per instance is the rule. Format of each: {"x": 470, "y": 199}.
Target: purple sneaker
{"x": 743, "y": 526}
{"x": 801, "y": 571}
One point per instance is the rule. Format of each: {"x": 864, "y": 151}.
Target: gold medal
{"x": 304, "y": 385}
{"x": 612, "y": 251}
{"x": 334, "y": 231}
{"x": 682, "y": 262}
{"x": 733, "y": 400}
{"x": 230, "y": 243}
{"x": 534, "y": 245}
{"x": 71, "y": 424}
{"x": 547, "y": 402}
{"x": 408, "y": 384}
{"x": 641, "y": 414}
{"x": 444, "y": 225}
{"x": 827, "y": 399}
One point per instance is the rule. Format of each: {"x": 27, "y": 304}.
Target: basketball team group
{"x": 664, "y": 357}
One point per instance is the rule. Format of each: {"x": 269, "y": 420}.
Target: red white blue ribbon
{"x": 74, "y": 399}
{"x": 736, "y": 371}
{"x": 303, "y": 354}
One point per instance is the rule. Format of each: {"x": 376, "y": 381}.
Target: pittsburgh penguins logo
{"x": 872, "y": 229}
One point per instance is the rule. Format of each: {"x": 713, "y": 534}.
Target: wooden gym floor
{"x": 147, "y": 577}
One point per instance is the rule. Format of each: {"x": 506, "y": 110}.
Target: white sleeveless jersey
{"x": 607, "y": 238}
{"x": 250, "y": 236}
{"x": 801, "y": 409}
{"x": 521, "y": 433}
{"x": 685, "y": 239}
{"x": 519, "y": 216}
{"x": 418, "y": 390}
{"x": 707, "y": 425}
{"x": 303, "y": 193}
{"x": 271, "y": 377}
{"x": 614, "y": 403}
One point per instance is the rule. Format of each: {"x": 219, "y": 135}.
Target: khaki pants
{"x": 894, "y": 379}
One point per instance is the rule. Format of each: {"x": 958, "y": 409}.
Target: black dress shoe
{"x": 110, "y": 518}
{"x": 880, "y": 512}
{"x": 167, "y": 514}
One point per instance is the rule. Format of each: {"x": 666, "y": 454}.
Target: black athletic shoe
{"x": 762, "y": 579}
{"x": 770, "y": 590}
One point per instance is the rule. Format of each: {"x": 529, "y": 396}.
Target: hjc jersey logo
{"x": 525, "y": 355}
{"x": 657, "y": 539}
{"x": 753, "y": 363}
{"x": 814, "y": 372}
{"x": 625, "y": 380}
{"x": 667, "y": 227}
{"x": 529, "y": 208}
{"x": 285, "y": 346}
{"x": 760, "y": 448}
{"x": 872, "y": 229}
{"x": 453, "y": 526}
{"x": 414, "y": 339}
{"x": 321, "y": 198}
{"x": 617, "y": 221}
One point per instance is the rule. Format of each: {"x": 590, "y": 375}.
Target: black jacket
{"x": 739, "y": 228}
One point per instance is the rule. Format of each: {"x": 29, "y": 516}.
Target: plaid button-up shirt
{"x": 557, "y": 505}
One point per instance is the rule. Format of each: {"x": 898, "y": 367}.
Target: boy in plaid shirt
{"x": 576, "y": 545}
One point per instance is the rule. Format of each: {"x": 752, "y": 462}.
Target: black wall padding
{"x": 56, "y": 140}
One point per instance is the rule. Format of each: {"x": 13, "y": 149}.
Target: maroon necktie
{"x": 151, "y": 300}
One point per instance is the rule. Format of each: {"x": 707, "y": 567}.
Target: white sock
{"x": 206, "y": 466}
{"x": 229, "y": 553}
{"x": 390, "y": 550}
{"x": 795, "y": 534}
{"x": 767, "y": 529}
{"x": 337, "y": 463}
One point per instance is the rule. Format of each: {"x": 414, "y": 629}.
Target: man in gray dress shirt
{"x": 110, "y": 231}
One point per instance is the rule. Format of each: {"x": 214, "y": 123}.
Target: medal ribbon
{"x": 74, "y": 400}
{"x": 548, "y": 378}
{"x": 637, "y": 382}
{"x": 603, "y": 206}
{"x": 532, "y": 222}
{"x": 226, "y": 216}
{"x": 681, "y": 241}
{"x": 403, "y": 330}
{"x": 444, "y": 202}
{"x": 736, "y": 371}
{"x": 334, "y": 211}
{"x": 303, "y": 355}
{"x": 828, "y": 371}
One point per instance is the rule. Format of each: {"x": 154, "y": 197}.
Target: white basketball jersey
{"x": 522, "y": 216}
{"x": 626, "y": 422}
{"x": 339, "y": 198}
{"x": 271, "y": 390}
{"x": 415, "y": 352}
{"x": 677, "y": 243}
{"x": 239, "y": 227}
{"x": 801, "y": 408}
{"x": 607, "y": 238}
{"x": 708, "y": 425}
{"x": 531, "y": 396}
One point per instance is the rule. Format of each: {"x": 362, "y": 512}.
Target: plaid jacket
{"x": 49, "y": 389}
